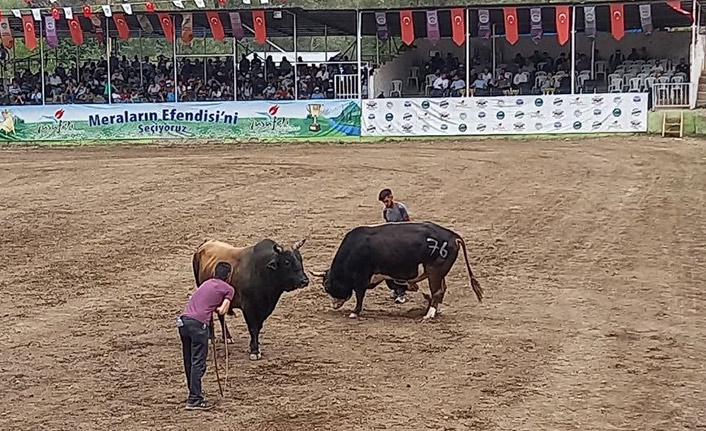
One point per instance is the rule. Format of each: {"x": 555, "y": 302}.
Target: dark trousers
{"x": 400, "y": 287}
{"x": 194, "y": 346}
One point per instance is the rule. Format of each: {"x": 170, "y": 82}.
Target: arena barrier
{"x": 580, "y": 113}
{"x": 235, "y": 120}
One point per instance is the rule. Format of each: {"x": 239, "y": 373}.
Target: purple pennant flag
{"x": 433, "y": 27}
{"x": 536, "y": 21}
{"x": 236, "y": 25}
{"x": 50, "y": 25}
{"x": 381, "y": 20}
{"x": 484, "y": 23}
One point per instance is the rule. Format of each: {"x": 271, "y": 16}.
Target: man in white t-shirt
{"x": 441, "y": 85}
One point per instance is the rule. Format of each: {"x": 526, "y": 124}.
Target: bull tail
{"x": 195, "y": 263}
{"x": 195, "y": 266}
{"x": 475, "y": 285}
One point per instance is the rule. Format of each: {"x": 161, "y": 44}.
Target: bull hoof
{"x": 255, "y": 356}
{"x": 431, "y": 314}
{"x": 412, "y": 287}
{"x": 353, "y": 315}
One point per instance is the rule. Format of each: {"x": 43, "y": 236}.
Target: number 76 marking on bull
{"x": 433, "y": 245}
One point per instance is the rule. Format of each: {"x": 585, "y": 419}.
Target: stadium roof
{"x": 343, "y": 23}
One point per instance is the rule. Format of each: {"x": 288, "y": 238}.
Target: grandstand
{"x": 174, "y": 52}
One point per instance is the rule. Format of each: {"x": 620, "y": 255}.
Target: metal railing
{"x": 346, "y": 87}
{"x": 671, "y": 95}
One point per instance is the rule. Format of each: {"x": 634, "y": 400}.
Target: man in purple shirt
{"x": 213, "y": 295}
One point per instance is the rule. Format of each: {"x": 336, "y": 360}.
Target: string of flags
{"x": 510, "y": 22}
{"x": 458, "y": 23}
{"x": 119, "y": 18}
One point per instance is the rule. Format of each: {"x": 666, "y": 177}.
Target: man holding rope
{"x": 213, "y": 295}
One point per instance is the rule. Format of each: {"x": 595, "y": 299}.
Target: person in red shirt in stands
{"x": 213, "y": 295}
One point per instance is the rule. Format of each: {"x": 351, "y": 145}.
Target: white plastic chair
{"x": 413, "y": 77}
{"x": 429, "y": 79}
{"x": 663, "y": 80}
{"x": 616, "y": 85}
{"x": 635, "y": 85}
{"x": 600, "y": 69}
{"x": 678, "y": 79}
{"x": 649, "y": 82}
{"x": 396, "y": 87}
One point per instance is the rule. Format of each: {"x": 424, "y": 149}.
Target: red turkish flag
{"x": 87, "y": 11}
{"x": 216, "y": 27}
{"x": 676, "y": 5}
{"x": 617, "y": 20}
{"x": 76, "y": 30}
{"x": 511, "y": 33}
{"x": 562, "y": 24}
{"x": 258, "y": 19}
{"x": 30, "y": 37}
{"x": 149, "y": 6}
{"x": 55, "y": 13}
{"x": 167, "y": 25}
{"x": 407, "y": 26}
{"x": 458, "y": 22}
{"x": 121, "y": 24}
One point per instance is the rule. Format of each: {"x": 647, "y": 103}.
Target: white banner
{"x": 580, "y": 113}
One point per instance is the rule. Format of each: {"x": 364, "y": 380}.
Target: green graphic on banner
{"x": 225, "y": 120}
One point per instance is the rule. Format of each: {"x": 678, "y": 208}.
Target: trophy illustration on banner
{"x": 314, "y": 110}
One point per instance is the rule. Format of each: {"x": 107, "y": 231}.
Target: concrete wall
{"x": 694, "y": 122}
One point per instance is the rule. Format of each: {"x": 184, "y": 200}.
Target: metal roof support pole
{"x": 107, "y": 57}
{"x": 325, "y": 43}
{"x": 142, "y": 75}
{"x": 493, "y": 45}
{"x": 235, "y": 69}
{"x": 468, "y": 52}
{"x": 78, "y": 62}
{"x": 174, "y": 60}
{"x": 358, "y": 48}
{"x": 41, "y": 58}
{"x": 296, "y": 58}
{"x": 573, "y": 49}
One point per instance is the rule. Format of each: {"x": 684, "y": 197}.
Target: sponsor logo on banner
{"x": 463, "y": 116}
{"x": 444, "y": 104}
{"x": 637, "y": 99}
{"x": 481, "y": 103}
{"x": 617, "y": 112}
{"x": 425, "y": 104}
{"x": 389, "y": 105}
{"x": 389, "y": 116}
{"x": 577, "y": 125}
{"x": 519, "y": 114}
{"x": 558, "y": 113}
{"x": 519, "y": 102}
{"x": 519, "y": 126}
{"x": 371, "y": 104}
{"x": 538, "y": 126}
{"x": 480, "y": 127}
{"x": 558, "y": 102}
{"x": 636, "y": 111}
{"x": 500, "y": 115}
{"x": 444, "y": 126}
{"x": 462, "y": 128}
{"x": 538, "y": 102}
{"x": 407, "y": 116}
{"x": 597, "y": 112}
{"x": 407, "y": 127}
{"x": 481, "y": 114}
{"x": 407, "y": 103}
{"x": 557, "y": 124}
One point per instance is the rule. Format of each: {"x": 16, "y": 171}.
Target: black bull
{"x": 395, "y": 250}
{"x": 261, "y": 273}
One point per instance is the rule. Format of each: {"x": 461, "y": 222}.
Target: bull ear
{"x": 297, "y": 245}
{"x": 272, "y": 264}
{"x": 278, "y": 249}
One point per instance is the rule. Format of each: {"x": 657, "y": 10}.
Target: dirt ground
{"x": 591, "y": 253}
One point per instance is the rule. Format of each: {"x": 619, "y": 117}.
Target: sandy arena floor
{"x": 592, "y": 254}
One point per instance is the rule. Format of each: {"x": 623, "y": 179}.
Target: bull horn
{"x": 319, "y": 274}
{"x": 297, "y": 245}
